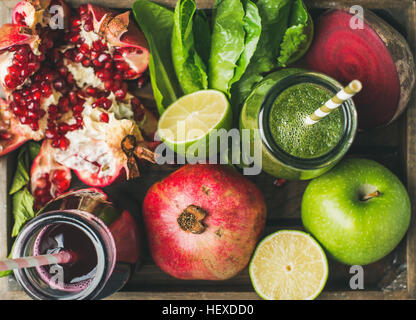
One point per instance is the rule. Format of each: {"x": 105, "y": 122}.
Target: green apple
{"x": 359, "y": 211}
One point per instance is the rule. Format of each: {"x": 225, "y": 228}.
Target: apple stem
{"x": 370, "y": 195}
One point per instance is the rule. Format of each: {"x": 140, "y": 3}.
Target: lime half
{"x": 190, "y": 120}
{"x": 288, "y": 265}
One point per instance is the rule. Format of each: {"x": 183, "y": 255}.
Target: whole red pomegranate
{"x": 203, "y": 222}
{"x": 69, "y": 85}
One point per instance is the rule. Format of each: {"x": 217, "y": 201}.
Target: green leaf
{"x": 156, "y": 23}
{"x": 5, "y": 273}
{"x": 227, "y": 43}
{"x": 34, "y": 149}
{"x": 202, "y": 35}
{"x": 21, "y": 176}
{"x": 293, "y": 39}
{"x": 297, "y": 36}
{"x": 189, "y": 67}
{"x": 274, "y": 16}
{"x": 22, "y": 210}
{"x": 252, "y": 28}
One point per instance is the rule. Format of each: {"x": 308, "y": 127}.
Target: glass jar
{"x": 255, "y": 117}
{"x": 109, "y": 241}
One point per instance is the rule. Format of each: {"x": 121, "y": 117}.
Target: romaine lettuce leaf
{"x": 227, "y": 43}
{"x": 189, "y": 67}
{"x": 296, "y": 36}
{"x": 252, "y": 28}
{"x": 274, "y": 16}
{"x": 156, "y": 22}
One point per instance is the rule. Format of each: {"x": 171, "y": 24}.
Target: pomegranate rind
{"x": 118, "y": 31}
{"x": 13, "y": 34}
{"x": 235, "y": 217}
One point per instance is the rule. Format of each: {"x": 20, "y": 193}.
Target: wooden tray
{"x": 393, "y": 277}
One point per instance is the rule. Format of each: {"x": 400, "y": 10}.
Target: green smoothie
{"x": 287, "y": 125}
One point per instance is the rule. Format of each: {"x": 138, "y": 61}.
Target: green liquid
{"x": 287, "y": 125}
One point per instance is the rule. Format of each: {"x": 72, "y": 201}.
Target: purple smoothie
{"x": 77, "y": 275}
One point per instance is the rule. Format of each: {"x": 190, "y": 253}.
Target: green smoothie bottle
{"x": 275, "y": 114}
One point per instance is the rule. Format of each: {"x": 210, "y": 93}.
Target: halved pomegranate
{"x": 70, "y": 87}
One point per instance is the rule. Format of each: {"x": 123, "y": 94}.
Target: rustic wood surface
{"x": 390, "y": 146}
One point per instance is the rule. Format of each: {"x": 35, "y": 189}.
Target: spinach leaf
{"x": 33, "y": 149}
{"x": 252, "y": 28}
{"x": 189, "y": 67}
{"x": 297, "y": 35}
{"x": 22, "y": 209}
{"x": 274, "y": 16}
{"x": 156, "y": 22}
{"x": 227, "y": 42}
{"x": 21, "y": 176}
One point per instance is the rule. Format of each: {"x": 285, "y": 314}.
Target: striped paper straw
{"x": 37, "y": 261}
{"x": 333, "y": 103}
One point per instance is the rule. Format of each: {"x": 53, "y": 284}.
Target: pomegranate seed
{"x": 70, "y": 79}
{"x": 41, "y": 57}
{"x": 46, "y": 90}
{"x": 53, "y": 109}
{"x": 84, "y": 49}
{"x": 86, "y": 62}
{"x": 91, "y": 91}
{"x": 33, "y": 106}
{"x": 55, "y": 143}
{"x": 117, "y": 56}
{"x": 279, "y": 182}
{"x": 32, "y": 67}
{"x": 104, "y": 57}
{"x": 34, "y": 126}
{"x": 21, "y": 57}
{"x": 10, "y": 83}
{"x": 17, "y": 96}
{"x": 60, "y": 181}
{"x": 24, "y": 119}
{"x": 108, "y": 65}
{"x": 4, "y": 135}
{"x": 88, "y": 26}
{"x": 63, "y": 127}
{"x": 32, "y": 115}
{"x": 120, "y": 94}
{"x": 78, "y": 108}
{"x": 107, "y": 103}
{"x": 118, "y": 76}
{"x": 130, "y": 74}
{"x": 76, "y": 22}
{"x": 59, "y": 84}
{"x": 75, "y": 38}
{"x": 73, "y": 97}
{"x": 122, "y": 66}
{"x": 63, "y": 71}
{"x": 103, "y": 74}
{"x": 104, "y": 117}
{"x": 79, "y": 57}
{"x": 97, "y": 63}
{"x": 70, "y": 54}
{"x": 50, "y": 134}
